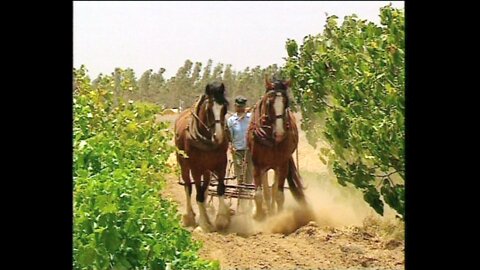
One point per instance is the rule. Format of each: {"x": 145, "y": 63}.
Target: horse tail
{"x": 295, "y": 182}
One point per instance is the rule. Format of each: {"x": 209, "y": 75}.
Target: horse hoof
{"x": 222, "y": 222}
{"x": 259, "y": 216}
{"x": 207, "y": 227}
{"x": 188, "y": 220}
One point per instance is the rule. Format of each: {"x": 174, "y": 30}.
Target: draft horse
{"x": 272, "y": 138}
{"x": 199, "y": 134}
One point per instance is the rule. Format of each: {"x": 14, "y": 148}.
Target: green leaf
{"x": 82, "y": 173}
{"x": 144, "y": 166}
{"x": 215, "y": 264}
{"x": 292, "y": 48}
{"x": 131, "y": 228}
{"x": 111, "y": 239}
{"x": 341, "y": 173}
{"x": 394, "y": 196}
{"x": 372, "y": 197}
{"x": 132, "y": 127}
{"x": 123, "y": 264}
{"x": 158, "y": 249}
{"x": 82, "y": 144}
{"x": 86, "y": 255}
{"x": 109, "y": 208}
{"x": 100, "y": 230}
{"x": 106, "y": 204}
{"x": 380, "y": 76}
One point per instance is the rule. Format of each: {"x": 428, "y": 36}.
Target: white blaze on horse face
{"x": 217, "y": 110}
{"x": 278, "y": 107}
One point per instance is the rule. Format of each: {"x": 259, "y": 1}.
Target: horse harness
{"x": 262, "y": 123}
{"x": 194, "y": 136}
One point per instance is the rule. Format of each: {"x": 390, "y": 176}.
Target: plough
{"x": 232, "y": 190}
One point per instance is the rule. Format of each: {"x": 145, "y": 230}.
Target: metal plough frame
{"x": 243, "y": 191}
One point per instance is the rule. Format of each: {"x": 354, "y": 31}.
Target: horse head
{"x": 276, "y": 103}
{"x": 214, "y": 111}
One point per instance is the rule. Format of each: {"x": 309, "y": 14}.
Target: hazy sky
{"x": 143, "y": 35}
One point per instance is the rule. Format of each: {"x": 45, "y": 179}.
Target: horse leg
{"x": 204, "y": 221}
{"x": 266, "y": 191}
{"x": 188, "y": 218}
{"x": 249, "y": 176}
{"x": 206, "y": 179}
{"x": 223, "y": 216}
{"x": 279, "y": 196}
{"x": 257, "y": 177}
{"x": 274, "y": 193}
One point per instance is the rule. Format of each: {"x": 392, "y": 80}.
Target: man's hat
{"x": 240, "y": 101}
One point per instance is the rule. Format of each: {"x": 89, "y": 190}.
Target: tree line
{"x": 188, "y": 83}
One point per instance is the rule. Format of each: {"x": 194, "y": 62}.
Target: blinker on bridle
{"x": 278, "y": 93}
{"x": 210, "y": 100}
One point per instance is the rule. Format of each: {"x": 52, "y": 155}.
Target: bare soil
{"x": 339, "y": 231}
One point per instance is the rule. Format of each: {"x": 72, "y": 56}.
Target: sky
{"x": 154, "y": 35}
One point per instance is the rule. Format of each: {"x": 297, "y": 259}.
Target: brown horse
{"x": 199, "y": 133}
{"x": 272, "y": 138}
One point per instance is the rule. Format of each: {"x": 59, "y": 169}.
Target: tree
{"x": 129, "y": 82}
{"x": 188, "y": 83}
{"x": 206, "y": 72}
{"x": 217, "y": 72}
{"x": 157, "y": 87}
{"x": 144, "y": 83}
{"x": 195, "y": 78}
{"x": 350, "y": 83}
{"x": 117, "y": 75}
{"x": 229, "y": 79}
{"x": 121, "y": 220}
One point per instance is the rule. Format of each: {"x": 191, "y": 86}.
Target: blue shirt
{"x": 238, "y": 130}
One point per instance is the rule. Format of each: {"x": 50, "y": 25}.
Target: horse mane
{"x": 196, "y": 106}
{"x": 194, "y": 135}
{"x": 278, "y": 86}
{"x": 217, "y": 90}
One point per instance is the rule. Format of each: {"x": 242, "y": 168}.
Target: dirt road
{"x": 345, "y": 232}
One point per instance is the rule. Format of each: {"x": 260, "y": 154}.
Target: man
{"x": 238, "y": 125}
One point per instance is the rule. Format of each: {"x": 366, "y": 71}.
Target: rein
{"x": 203, "y": 124}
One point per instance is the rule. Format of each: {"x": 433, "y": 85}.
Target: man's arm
{"x": 229, "y": 132}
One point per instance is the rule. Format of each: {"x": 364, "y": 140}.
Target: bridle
{"x": 199, "y": 140}
{"x": 276, "y": 93}
{"x": 262, "y": 123}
